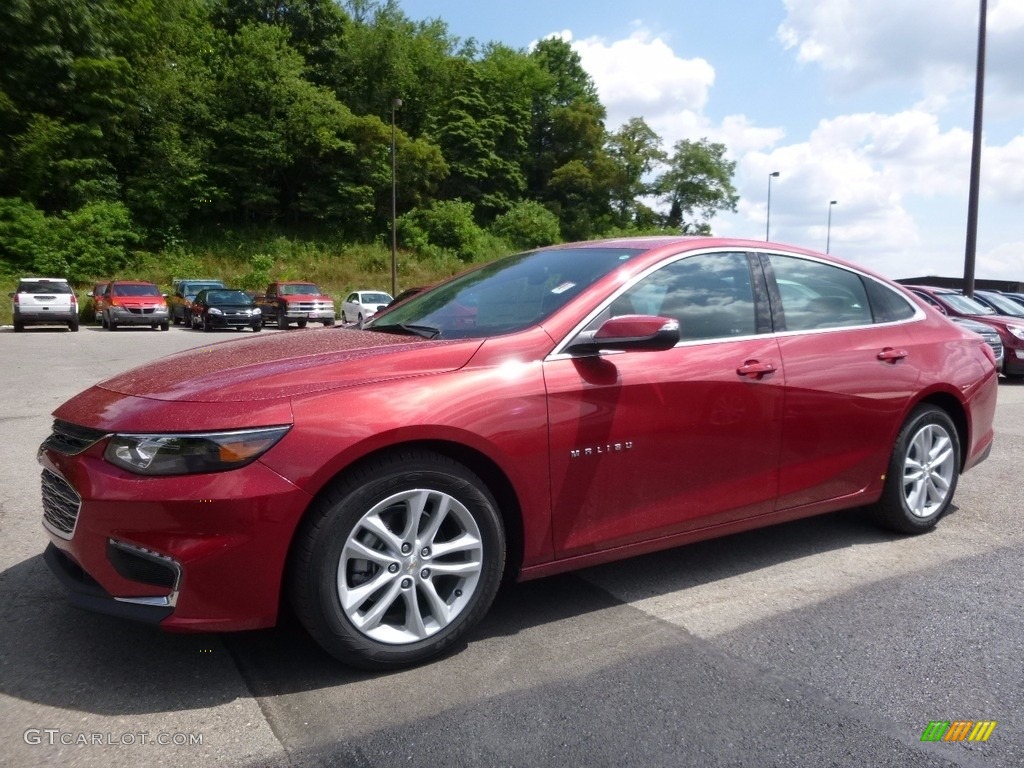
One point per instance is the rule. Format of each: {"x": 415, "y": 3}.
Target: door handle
{"x": 755, "y": 369}
{"x": 890, "y": 355}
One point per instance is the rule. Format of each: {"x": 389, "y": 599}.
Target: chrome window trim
{"x": 559, "y": 352}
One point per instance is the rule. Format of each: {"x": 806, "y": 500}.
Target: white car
{"x": 44, "y": 301}
{"x": 362, "y": 305}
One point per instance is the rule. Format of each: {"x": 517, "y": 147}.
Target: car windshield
{"x": 305, "y": 289}
{"x": 195, "y": 288}
{"x": 1004, "y": 305}
{"x": 43, "y": 286}
{"x": 966, "y": 305}
{"x": 135, "y": 290}
{"x": 227, "y": 297}
{"x": 376, "y": 298}
{"x": 504, "y": 296}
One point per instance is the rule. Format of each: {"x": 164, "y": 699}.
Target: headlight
{"x": 215, "y": 311}
{"x": 1016, "y": 330}
{"x": 257, "y": 311}
{"x": 174, "y": 454}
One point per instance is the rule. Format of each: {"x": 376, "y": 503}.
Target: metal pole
{"x": 395, "y": 103}
{"x": 828, "y": 236}
{"x": 972, "y": 200}
{"x": 768, "y": 218}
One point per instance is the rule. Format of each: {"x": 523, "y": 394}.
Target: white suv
{"x": 44, "y": 300}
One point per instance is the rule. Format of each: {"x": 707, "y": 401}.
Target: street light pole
{"x": 768, "y": 218}
{"x": 828, "y": 236}
{"x": 395, "y": 103}
{"x": 973, "y": 191}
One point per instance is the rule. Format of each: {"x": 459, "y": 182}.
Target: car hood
{"x": 138, "y": 301}
{"x": 290, "y": 364}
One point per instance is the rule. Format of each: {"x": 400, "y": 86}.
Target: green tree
{"x": 527, "y": 224}
{"x": 697, "y": 185}
{"x": 636, "y": 150}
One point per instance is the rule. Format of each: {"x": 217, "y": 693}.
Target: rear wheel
{"x": 73, "y": 326}
{"x": 397, "y": 561}
{"x": 18, "y": 326}
{"x": 923, "y": 472}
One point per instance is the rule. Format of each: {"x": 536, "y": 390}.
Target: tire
{"x": 111, "y": 324}
{"x": 177, "y": 320}
{"x": 923, "y": 472}
{"x": 165, "y": 326}
{"x": 186, "y": 318}
{"x": 19, "y": 326}
{"x": 423, "y": 602}
{"x": 207, "y": 325}
{"x": 282, "y": 322}
{"x": 328, "y": 323}
{"x": 102, "y": 320}
{"x": 301, "y": 323}
{"x": 258, "y": 327}
{"x": 73, "y": 326}
{"x": 359, "y": 321}
{"x": 344, "y": 319}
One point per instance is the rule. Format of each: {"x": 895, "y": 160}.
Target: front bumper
{"x": 123, "y": 316}
{"x": 191, "y": 552}
{"x": 235, "y": 321}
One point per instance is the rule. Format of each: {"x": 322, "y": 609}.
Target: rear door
{"x": 849, "y": 373}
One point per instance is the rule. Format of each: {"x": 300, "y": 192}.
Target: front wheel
{"x": 397, "y": 561}
{"x": 923, "y": 472}
{"x": 282, "y": 322}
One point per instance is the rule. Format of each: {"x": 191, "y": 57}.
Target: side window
{"x": 352, "y": 298}
{"x": 817, "y": 295}
{"x": 887, "y": 306}
{"x": 710, "y": 295}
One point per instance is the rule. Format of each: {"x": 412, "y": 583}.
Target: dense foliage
{"x": 133, "y": 127}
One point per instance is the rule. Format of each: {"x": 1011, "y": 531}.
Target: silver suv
{"x": 44, "y": 300}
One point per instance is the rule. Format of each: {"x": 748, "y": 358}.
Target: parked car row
{"x": 999, "y": 312}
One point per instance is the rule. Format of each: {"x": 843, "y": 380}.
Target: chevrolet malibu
{"x": 549, "y": 411}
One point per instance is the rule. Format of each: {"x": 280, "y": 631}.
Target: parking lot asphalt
{"x": 819, "y": 642}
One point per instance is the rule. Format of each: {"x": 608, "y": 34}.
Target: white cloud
{"x": 641, "y": 75}
{"x": 865, "y": 43}
{"x": 899, "y": 178}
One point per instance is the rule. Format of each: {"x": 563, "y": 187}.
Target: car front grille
{"x": 70, "y": 439}
{"x": 309, "y": 306}
{"x": 60, "y": 505}
{"x": 141, "y": 310}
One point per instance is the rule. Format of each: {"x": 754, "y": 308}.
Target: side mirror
{"x": 628, "y": 333}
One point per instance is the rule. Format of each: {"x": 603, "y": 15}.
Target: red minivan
{"x": 132, "y": 302}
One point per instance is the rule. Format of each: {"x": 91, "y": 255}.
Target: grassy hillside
{"x": 251, "y": 262}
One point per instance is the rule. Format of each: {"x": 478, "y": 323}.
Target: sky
{"x": 866, "y": 102}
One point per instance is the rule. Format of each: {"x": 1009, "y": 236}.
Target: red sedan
{"x": 602, "y": 400}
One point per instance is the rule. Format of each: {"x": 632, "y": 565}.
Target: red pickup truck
{"x": 294, "y": 301}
